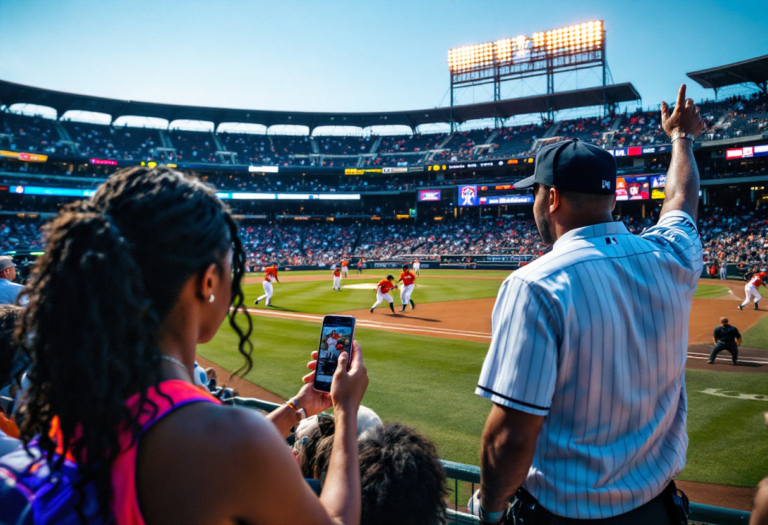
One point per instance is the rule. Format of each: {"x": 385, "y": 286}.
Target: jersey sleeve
{"x": 676, "y": 234}
{"x": 520, "y": 369}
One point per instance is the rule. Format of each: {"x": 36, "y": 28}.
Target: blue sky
{"x": 330, "y": 55}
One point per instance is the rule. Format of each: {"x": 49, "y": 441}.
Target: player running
{"x": 382, "y": 293}
{"x": 360, "y": 266}
{"x": 270, "y": 275}
{"x": 408, "y": 279}
{"x": 344, "y": 268}
{"x": 416, "y": 266}
{"x": 751, "y": 288}
{"x": 337, "y": 279}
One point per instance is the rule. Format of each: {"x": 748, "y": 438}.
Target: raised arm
{"x": 682, "y": 189}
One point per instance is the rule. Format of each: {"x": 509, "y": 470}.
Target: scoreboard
{"x": 491, "y": 195}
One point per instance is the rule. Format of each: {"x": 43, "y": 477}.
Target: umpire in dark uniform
{"x": 727, "y": 337}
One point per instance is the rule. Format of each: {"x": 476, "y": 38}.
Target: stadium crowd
{"x": 733, "y": 235}
{"x": 737, "y": 116}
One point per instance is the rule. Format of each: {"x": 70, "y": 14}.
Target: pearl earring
{"x": 211, "y": 298}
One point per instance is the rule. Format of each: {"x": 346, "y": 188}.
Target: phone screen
{"x": 336, "y": 337}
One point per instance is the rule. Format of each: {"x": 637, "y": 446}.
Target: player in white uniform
{"x": 270, "y": 275}
{"x": 750, "y": 290}
{"x": 416, "y": 266}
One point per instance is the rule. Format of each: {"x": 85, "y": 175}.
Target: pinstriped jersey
{"x": 594, "y": 337}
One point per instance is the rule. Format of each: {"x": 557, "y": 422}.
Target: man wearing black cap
{"x": 9, "y": 290}
{"x": 586, "y": 362}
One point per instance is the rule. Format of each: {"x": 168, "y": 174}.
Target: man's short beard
{"x": 542, "y": 224}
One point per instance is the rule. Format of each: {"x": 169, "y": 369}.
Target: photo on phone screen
{"x": 336, "y": 337}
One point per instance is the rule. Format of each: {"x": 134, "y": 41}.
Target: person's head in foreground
{"x": 724, "y": 321}
{"x": 9, "y": 317}
{"x": 574, "y": 185}
{"x": 390, "y": 277}
{"x": 405, "y": 267}
{"x": 131, "y": 282}
{"x": 402, "y": 478}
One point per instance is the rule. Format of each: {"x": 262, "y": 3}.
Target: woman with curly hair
{"x": 131, "y": 281}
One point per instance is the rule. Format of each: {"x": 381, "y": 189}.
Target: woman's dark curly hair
{"x": 112, "y": 271}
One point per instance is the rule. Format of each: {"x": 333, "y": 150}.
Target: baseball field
{"x": 424, "y": 364}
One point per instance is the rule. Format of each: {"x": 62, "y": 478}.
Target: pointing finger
{"x": 680, "y": 98}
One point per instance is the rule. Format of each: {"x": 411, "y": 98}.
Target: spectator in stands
{"x": 131, "y": 281}
{"x": 578, "y": 448}
{"x": 9, "y": 290}
{"x": 9, "y": 432}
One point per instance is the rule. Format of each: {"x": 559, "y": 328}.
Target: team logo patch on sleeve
{"x": 611, "y": 241}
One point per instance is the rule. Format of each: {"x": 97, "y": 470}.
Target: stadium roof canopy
{"x": 752, "y": 71}
{"x": 12, "y": 93}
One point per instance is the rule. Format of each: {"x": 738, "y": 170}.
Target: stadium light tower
{"x": 580, "y": 46}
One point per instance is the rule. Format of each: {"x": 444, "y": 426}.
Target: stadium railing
{"x": 466, "y": 478}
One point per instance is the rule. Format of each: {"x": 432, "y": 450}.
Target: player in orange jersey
{"x": 751, "y": 288}
{"x": 382, "y": 293}
{"x": 408, "y": 279}
{"x": 270, "y": 276}
{"x": 337, "y": 279}
{"x": 345, "y": 268}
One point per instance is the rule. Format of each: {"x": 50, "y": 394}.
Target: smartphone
{"x": 336, "y": 336}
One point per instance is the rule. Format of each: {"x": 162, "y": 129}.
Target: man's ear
{"x": 554, "y": 199}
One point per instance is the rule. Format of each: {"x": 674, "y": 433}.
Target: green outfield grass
{"x": 711, "y": 291}
{"x": 728, "y": 438}
{"x": 318, "y": 297}
{"x": 429, "y": 383}
{"x": 757, "y": 335}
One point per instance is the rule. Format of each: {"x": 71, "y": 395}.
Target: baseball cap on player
{"x": 572, "y": 165}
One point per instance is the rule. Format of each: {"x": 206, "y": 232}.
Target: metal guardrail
{"x": 462, "y": 473}
{"x": 459, "y": 472}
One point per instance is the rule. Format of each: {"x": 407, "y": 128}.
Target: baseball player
{"x": 382, "y": 293}
{"x": 337, "y": 279}
{"x": 408, "y": 279}
{"x": 416, "y": 266}
{"x": 270, "y": 276}
{"x": 360, "y": 266}
{"x": 751, "y": 288}
{"x": 345, "y": 268}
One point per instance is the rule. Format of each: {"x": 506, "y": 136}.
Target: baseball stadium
{"x": 329, "y": 221}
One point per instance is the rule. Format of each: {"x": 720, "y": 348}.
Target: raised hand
{"x": 685, "y": 118}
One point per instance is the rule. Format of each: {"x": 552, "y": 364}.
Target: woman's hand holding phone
{"x": 349, "y": 394}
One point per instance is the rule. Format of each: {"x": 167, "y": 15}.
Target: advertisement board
{"x": 747, "y": 152}
{"x": 429, "y": 195}
{"x": 506, "y": 199}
